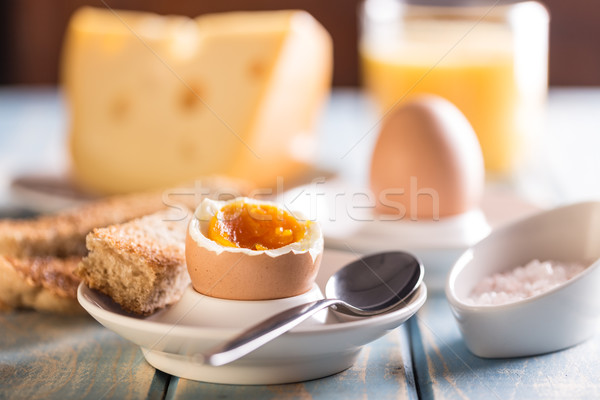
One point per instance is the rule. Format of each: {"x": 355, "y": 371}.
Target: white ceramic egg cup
{"x": 437, "y": 244}
{"x": 171, "y": 339}
{"x": 559, "y": 318}
{"x": 348, "y": 223}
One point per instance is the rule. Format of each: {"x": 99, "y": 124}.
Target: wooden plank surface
{"x": 382, "y": 371}
{"x": 445, "y": 369}
{"x": 44, "y": 356}
{"x": 56, "y": 357}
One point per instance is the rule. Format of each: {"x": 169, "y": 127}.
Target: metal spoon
{"x": 368, "y": 286}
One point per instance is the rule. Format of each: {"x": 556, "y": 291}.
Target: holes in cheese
{"x": 191, "y": 97}
{"x": 119, "y": 108}
{"x": 257, "y": 69}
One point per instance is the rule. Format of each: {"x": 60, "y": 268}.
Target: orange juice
{"x": 477, "y": 65}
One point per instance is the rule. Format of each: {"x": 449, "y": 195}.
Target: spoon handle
{"x": 263, "y": 332}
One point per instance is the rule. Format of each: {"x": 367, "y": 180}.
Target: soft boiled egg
{"x": 427, "y": 161}
{"x": 244, "y": 249}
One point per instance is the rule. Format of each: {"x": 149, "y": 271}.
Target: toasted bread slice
{"x": 139, "y": 264}
{"x": 63, "y": 234}
{"x": 51, "y": 246}
{"x": 41, "y": 283}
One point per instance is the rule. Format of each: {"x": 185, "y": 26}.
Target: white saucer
{"x": 321, "y": 346}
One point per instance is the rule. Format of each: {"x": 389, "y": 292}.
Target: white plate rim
{"x": 84, "y": 294}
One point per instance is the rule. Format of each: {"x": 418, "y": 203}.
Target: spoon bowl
{"x": 375, "y": 284}
{"x": 368, "y": 286}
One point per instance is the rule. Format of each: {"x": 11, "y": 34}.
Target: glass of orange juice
{"x": 490, "y": 58}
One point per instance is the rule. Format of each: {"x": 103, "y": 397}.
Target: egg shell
{"x": 427, "y": 152}
{"x": 243, "y": 274}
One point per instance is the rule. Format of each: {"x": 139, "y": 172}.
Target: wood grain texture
{"x": 45, "y": 356}
{"x": 382, "y": 371}
{"x": 445, "y": 369}
{"x": 55, "y": 357}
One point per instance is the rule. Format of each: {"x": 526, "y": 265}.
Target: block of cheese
{"x": 159, "y": 100}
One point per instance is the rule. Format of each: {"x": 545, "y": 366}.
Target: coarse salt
{"x": 522, "y": 282}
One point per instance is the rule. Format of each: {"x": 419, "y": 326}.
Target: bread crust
{"x": 45, "y": 284}
{"x": 63, "y": 234}
{"x": 139, "y": 264}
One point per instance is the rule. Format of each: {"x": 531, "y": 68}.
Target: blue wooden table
{"x": 56, "y": 357}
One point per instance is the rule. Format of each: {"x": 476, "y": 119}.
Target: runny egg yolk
{"x": 255, "y": 226}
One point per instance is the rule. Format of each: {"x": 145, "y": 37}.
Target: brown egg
{"x": 238, "y": 273}
{"x": 427, "y": 162}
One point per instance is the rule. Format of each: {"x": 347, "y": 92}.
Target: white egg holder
{"x": 349, "y": 223}
{"x": 172, "y": 340}
{"x": 437, "y": 244}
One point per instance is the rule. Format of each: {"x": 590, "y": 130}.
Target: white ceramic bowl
{"x": 559, "y": 318}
